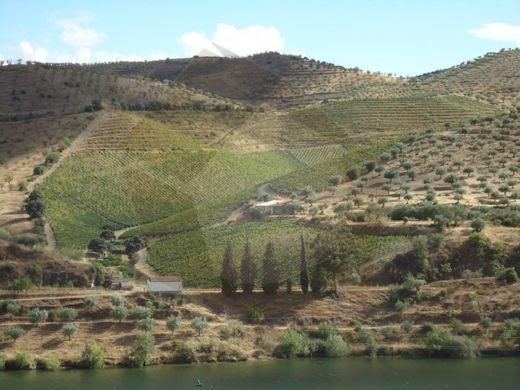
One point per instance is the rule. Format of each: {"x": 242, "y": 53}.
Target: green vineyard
{"x": 130, "y": 189}
{"x": 197, "y": 255}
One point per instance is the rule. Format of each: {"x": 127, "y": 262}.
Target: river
{"x": 349, "y": 373}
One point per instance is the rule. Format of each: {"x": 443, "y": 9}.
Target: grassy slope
{"x": 189, "y": 253}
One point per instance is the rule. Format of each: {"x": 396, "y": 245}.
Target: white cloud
{"x": 243, "y": 42}
{"x": 75, "y": 35}
{"x": 498, "y": 32}
{"x": 32, "y": 52}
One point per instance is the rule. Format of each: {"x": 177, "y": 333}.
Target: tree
{"x": 92, "y": 356}
{"x": 370, "y": 166}
{"x": 141, "y": 351}
{"x": 468, "y": 170}
{"x": 382, "y": 201}
{"x": 119, "y": 312}
{"x": 334, "y": 180}
{"x": 304, "y": 275}
{"x": 38, "y": 316}
{"x": 134, "y": 244}
{"x": 90, "y": 302}
{"x": 334, "y": 255}
{"x": 14, "y": 333}
{"x": 67, "y": 315}
{"x": 173, "y": 323}
{"x": 146, "y": 324}
{"x": 199, "y": 324}
{"x": 271, "y": 279}
{"x": 391, "y": 175}
{"x": 247, "y": 270}
{"x": 21, "y": 284}
{"x": 98, "y": 245}
{"x": 318, "y": 279}
{"x": 478, "y": 224}
{"x": 353, "y": 173}
{"x": 228, "y": 276}
{"x": 69, "y": 330}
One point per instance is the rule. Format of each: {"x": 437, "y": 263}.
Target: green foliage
{"x": 247, "y": 270}
{"x": 24, "y": 361}
{"x": 14, "y": 333}
{"x": 271, "y": 277}
{"x": 69, "y": 330}
{"x": 293, "y": 344}
{"x": 441, "y": 343}
{"x": 304, "y": 274}
{"x": 52, "y": 158}
{"x": 38, "y": 315}
{"x": 199, "y": 324}
{"x": 478, "y": 224}
{"x": 507, "y": 275}
{"x": 173, "y": 323}
{"x": 228, "y": 276}
{"x": 255, "y": 315}
{"x": 23, "y": 283}
{"x": 485, "y": 322}
{"x": 119, "y": 312}
{"x": 67, "y": 314}
{"x": 407, "y": 326}
{"x": 98, "y": 245}
{"x": 185, "y": 354}
{"x": 10, "y": 306}
{"x": 52, "y": 364}
{"x": 145, "y": 324}
{"x": 134, "y": 244}
{"x": 233, "y": 329}
{"x": 90, "y": 302}
{"x": 117, "y": 300}
{"x": 92, "y": 357}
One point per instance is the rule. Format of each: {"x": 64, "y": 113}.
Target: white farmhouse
{"x": 171, "y": 285}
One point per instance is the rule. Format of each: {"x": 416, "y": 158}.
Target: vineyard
{"x": 197, "y": 255}
{"x": 130, "y": 188}
{"x": 316, "y": 155}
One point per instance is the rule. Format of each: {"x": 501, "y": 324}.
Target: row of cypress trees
{"x": 271, "y": 272}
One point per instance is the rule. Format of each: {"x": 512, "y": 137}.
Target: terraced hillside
{"x": 29, "y": 91}
{"x": 187, "y": 253}
{"x": 494, "y": 77}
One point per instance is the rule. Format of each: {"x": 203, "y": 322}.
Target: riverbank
{"x": 476, "y": 316}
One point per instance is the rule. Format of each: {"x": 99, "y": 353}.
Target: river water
{"x": 349, "y": 373}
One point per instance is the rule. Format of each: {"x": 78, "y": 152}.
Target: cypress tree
{"x": 271, "y": 277}
{"x": 304, "y": 276}
{"x": 228, "y": 277}
{"x": 247, "y": 270}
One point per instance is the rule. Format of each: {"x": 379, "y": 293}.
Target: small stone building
{"x": 169, "y": 285}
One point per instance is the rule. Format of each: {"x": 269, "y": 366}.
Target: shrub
{"x": 334, "y": 346}
{"x": 21, "y": 284}
{"x": 142, "y": 349}
{"x": 234, "y": 329}
{"x": 230, "y": 353}
{"x": 353, "y": 173}
{"x": 388, "y": 332}
{"x": 52, "y": 158}
{"x": 407, "y": 326}
{"x": 458, "y": 327}
{"x": 52, "y": 364}
{"x": 92, "y": 357}
{"x": 38, "y": 170}
{"x": 200, "y": 325}
{"x": 255, "y": 315}
{"x": 142, "y": 312}
{"x": 185, "y": 354}
{"x": 173, "y": 323}
{"x": 90, "y": 302}
{"x": 478, "y": 224}
{"x": 507, "y": 275}
{"x": 293, "y": 343}
{"x": 37, "y": 316}
{"x": 326, "y": 329}
{"x": 442, "y": 343}
{"x": 9, "y": 306}
{"x": 117, "y": 300}
{"x": 14, "y": 333}
{"x": 67, "y": 315}
{"x": 368, "y": 339}
{"x": 2, "y": 363}
{"x": 119, "y": 313}
{"x": 146, "y": 324}
{"x": 69, "y": 330}
{"x": 485, "y": 322}
{"x": 24, "y": 361}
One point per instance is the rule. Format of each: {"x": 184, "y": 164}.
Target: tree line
{"x": 333, "y": 257}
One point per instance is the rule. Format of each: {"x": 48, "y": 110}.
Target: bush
{"x": 24, "y": 361}
{"x": 478, "y": 224}
{"x": 2, "y": 363}
{"x": 458, "y": 327}
{"x": 142, "y": 312}
{"x": 485, "y": 323}
{"x": 368, "y": 339}
{"x": 119, "y": 313}
{"x": 407, "y": 326}
{"x": 507, "y": 275}
{"x": 233, "y": 329}
{"x": 230, "y": 353}
{"x": 185, "y": 354}
{"x": 37, "y": 316}
{"x": 38, "y": 170}
{"x": 67, "y": 315}
{"x": 353, "y": 173}
{"x": 52, "y": 158}
{"x": 334, "y": 346}
{"x": 92, "y": 357}
{"x": 69, "y": 330}
{"x": 52, "y": 364}
{"x": 21, "y": 284}
{"x": 326, "y": 329}
{"x": 9, "y": 306}
{"x": 442, "y": 343}
{"x": 293, "y": 344}
{"x": 90, "y": 302}
{"x": 141, "y": 351}
{"x": 200, "y": 325}
{"x": 255, "y": 315}
{"x": 14, "y": 333}
{"x": 146, "y": 324}
{"x": 117, "y": 300}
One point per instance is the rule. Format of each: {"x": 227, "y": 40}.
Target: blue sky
{"x": 402, "y": 37}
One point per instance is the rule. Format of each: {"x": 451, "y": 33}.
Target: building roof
{"x": 165, "y": 279}
{"x": 270, "y": 203}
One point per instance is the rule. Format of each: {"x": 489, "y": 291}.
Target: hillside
{"x": 494, "y": 78}
{"x": 29, "y": 91}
